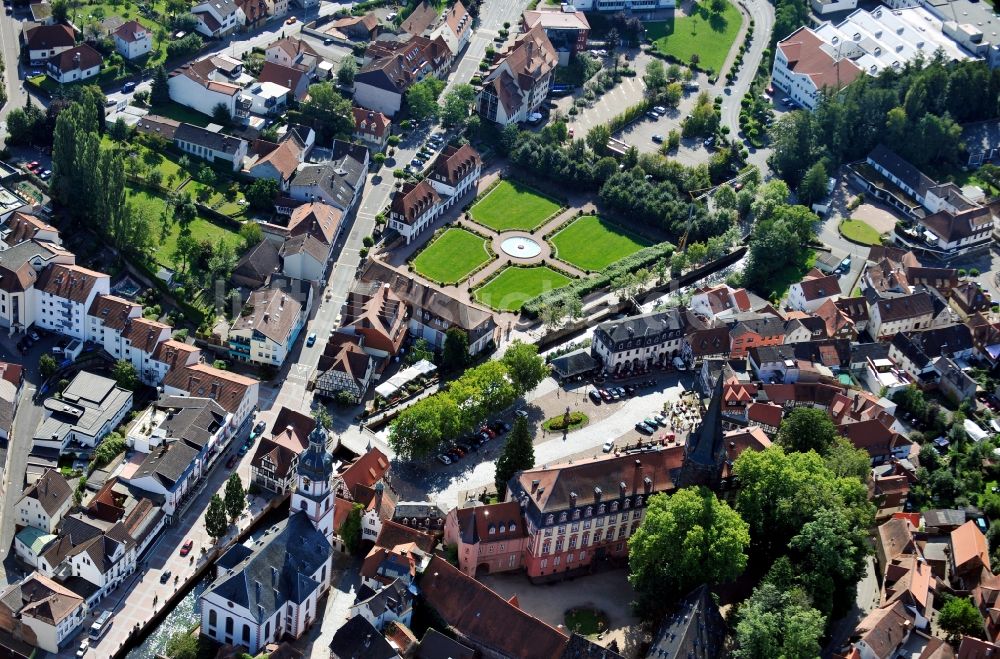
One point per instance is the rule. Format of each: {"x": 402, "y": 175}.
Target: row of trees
{"x": 467, "y": 402}
{"x": 914, "y": 110}
{"x": 231, "y": 504}
{"x": 802, "y": 504}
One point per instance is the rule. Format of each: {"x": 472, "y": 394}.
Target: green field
{"x": 201, "y": 228}
{"x": 512, "y": 206}
{"x": 452, "y": 256}
{"x": 514, "y": 286}
{"x": 708, "y": 35}
{"x": 860, "y": 232}
{"x": 591, "y": 243}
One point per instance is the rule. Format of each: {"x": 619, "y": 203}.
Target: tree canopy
{"x": 235, "y": 497}
{"x": 517, "y": 455}
{"x": 685, "y": 539}
{"x": 524, "y": 367}
{"x": 807, "y": 429}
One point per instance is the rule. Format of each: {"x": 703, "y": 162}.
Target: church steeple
{"x": 313, "y": 493}
{"x": 705, "y": 450}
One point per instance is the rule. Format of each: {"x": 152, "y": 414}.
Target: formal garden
{"x": 592, "y": 243}
{"x": 452, "y": 256}
{"x": 511, "y": 206}
{"x": 515, "y": 285}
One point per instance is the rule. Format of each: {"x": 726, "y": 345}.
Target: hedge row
{"x": 581, "y": 287}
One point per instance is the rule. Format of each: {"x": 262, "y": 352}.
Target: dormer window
{"x": 601, "y": 509}
{"x": 589, "y": 511}
{"x": 550, "y": 519}
{"x": 562, "y": 517}
{"x": 493, "y": 530}
{"x": 576, "y": 514}
{"x": 614, "y": 506}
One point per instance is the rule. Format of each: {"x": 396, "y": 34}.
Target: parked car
{"x": 652, "y": 115}
{"x": 709, "y": 141}
{"x": 660, "y": 110}
{"x": 631, "y": 389}
{"x": 85, "y": 643}
{"x": 605, "y": 395}
{"x": 621, "y": 392}
{"x": 608, "y": 446}
{"x": 644, "y": 428}
{"x": 443, "y": 459}
{"x": 258, "y": 428}
{"x": 128, "y": 86}
{"x": 292, "y": 20}
{"x": 328, "y": 41}
{"x": 594, "y": 396}
{"x": 231, "y": 462}
{"x": 660, "y": 419}
{"x": 187, "y": 547}
{"x": 165, "y": 576}
{"x": 650, "y": 421}
{"x": 46, "y": 174}
{"x": 523, "y": 413}
{"x": 417, "y": 162}
{"x": 501, "y": 427}
{"x": 34, "y": 335}
{"x": 658, "y": 139}
{"x": 311, "y": 339}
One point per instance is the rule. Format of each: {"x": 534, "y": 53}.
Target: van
{"x": 692, "y": 86}
{"x": 100, "y": 626}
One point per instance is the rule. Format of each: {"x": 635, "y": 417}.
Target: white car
{"x": 443, "y": 459}
{"x": 608, "y": 446}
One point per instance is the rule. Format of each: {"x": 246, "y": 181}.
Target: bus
{"x": 100, "y": 626}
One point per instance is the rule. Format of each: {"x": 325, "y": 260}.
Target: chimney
{"x": 597, "y": 493}
{"x": 636, "y": 475}
{"x": 621, "y": 488}
{"x": 572, "y": 499}
{"x": 647, "y": 485}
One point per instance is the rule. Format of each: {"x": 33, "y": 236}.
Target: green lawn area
{"x": 511, "y": 205}
{"x": 179, "y": 112}
{"x": 860, "y": 232}
{"x": 586, "y": 621}
{"x": 217, "y": 199}
{"x": 787, "y": 276}
{"x": 708, "y": 35}
{"x": 201, "y": 228}
{"x": 452, "y": 256}
{"x": 969, "y": 178}
{"x": 514, "y": 286}
{"x": 592, "y": 243}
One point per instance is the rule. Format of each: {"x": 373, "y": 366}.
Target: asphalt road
{"x": 492, "y": 15}
{"x": 17, "y": 96}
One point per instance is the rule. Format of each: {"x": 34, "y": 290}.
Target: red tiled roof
{"x": 113, "y": 312}
{"x": 224, "y": 387}
{"x": 367, "y": 470}
{"x": 486, "y": 618}
{"x": 805, "y": 55}
{"x": 767, "y": 414}
{"x": 968, "y": 544}
{"x": 70, "y": 282}
{"x": 370, "y": 121}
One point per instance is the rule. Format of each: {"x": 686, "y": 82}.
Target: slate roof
{"x": 435, "y": 645}
{"x": 905, "y": 307}
{"x": 484, "y": 523}
{"x": 209, "y": 139}
{"x": 453, "y": 164}
{"x": 358, "y": 639}
{"x": 51, "y": 490}
{"x": 167, "y": 463}
{"x": 339, "y": 178}
{"x": 259, "y": 263}
{"x": 649, "y": 325}
{"x": 272, "y": 313}
{"x": 194, "y": 420}
{"x": 224, "y": 387}
{"x": 952, "y": 227}
{"x": 413, "y": 200}
{"x": 695, "y": 630}
{"x": 278, "y": 569}
{"x": 901, "y": 168}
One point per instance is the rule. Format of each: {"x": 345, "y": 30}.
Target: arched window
{"x": 628, "y": 504}
{"x": 229, "y": 626}
{"x": 246, "y": 634}
{"x": 576, "y": 514}
{"x": 493, "y": 529}
{"x": 302, "y": 504}
{"x": 213, "y": 618}
{"x": 638, "y": 501}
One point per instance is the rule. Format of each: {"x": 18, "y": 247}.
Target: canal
{"x": 186, "y": 615}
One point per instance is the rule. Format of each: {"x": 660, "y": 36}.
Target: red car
{"x": 187, "y": 547}
{"x": 231, "y": 462}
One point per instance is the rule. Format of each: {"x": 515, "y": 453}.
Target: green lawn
{"x": 511, "y": 205}
{"x": 586, "y": 621}
{"x": 216, "y": 199}
{"x": 787, "y": 276}
{"x": 860, "y": 232}
{"x": 452, "y": 256}
{"x": 201, "y": 228}
{"x": 592, "y": 243}
{"x": 179, "y": 112}
{"x": 708, "y": 35}
{"x": 514, "y": 286}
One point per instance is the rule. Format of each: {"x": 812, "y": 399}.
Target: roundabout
{"x": 520, "y": 247}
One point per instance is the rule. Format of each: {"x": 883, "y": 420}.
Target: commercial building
{"x": 89, "y": 408}
{"x": 268, "y": 327}
{"x": 519, "y": 80}
{"x": 566, "y": 28}
{"x": 638, "y": 343}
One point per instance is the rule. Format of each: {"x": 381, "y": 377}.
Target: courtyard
{"x": 592, "y": 243}
{"x": 452, "y": 256}
{"x": 514, "y": 286}
{"x": 513, "y": 206}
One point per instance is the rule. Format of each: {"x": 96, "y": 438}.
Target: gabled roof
{"x": 51, "y": 490}
{"x": 114, "y": 312}
{"x": 317, "y": 219}
{"x": 286, "y": 76}
{"x": 393, "y": 535}
{"x": 79, "y": 58}
{"x": 367, "y": 470}
{"x": 224, "y": 387}
{"x": 767, "y": 414}
{"x": 905, "y": 307}
{"x": 806, "y": 56}
{"x": 358, "y": 639}
{"x": 259, "y": 263}
{"x": 24, "y": 226}
{"x": 454, "y": 164}
{"x": 901, "y": 168}
{"x": 285, "y": 158}
{"x": 885, "y": 629}
{"x": 131, "y": 31}
{"x": 174, "y": 353}
{"x": 370, "y": 121}
{"x": 815, "y": 288}
{"x": 143, "y": 334}
{"x": 968, "y": 544}
{"x": 293, "y": 47}
{"x": 834, "y": 320}
{"x": 272, "y": 313}
{"x": 695, "y": 629}
{"x": 556, "y": 20}
{"x": 486, "y": 618}
{"x": 413, "y": 200}
{"x": 952, "y": 227}
{"x": 70, "y": 282}
{"x": 422, "y": 17}
{"x": 500, "y": 522}
{"x": 531, "y": 59}
{"x": 209, "y": 139}
{"x": 47, "y": 37}
{"x": 42, "y": 598}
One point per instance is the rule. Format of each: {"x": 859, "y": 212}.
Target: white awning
{"x": 396, "y": 382}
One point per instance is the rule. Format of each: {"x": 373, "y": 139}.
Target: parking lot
{"x": 641, "y": 133}
{"x": 613, "y": 421}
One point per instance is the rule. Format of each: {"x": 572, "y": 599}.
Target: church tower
{"x": 705, "y": 450}
{"x": 313, "y": 493}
